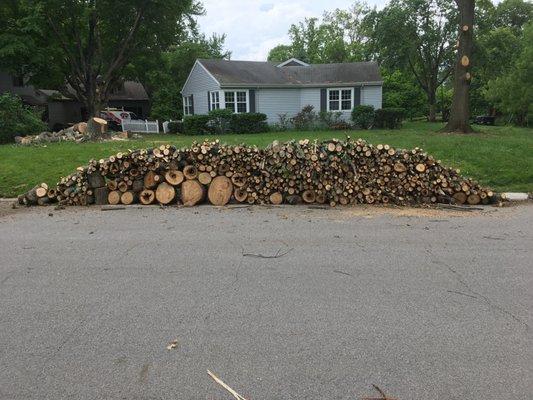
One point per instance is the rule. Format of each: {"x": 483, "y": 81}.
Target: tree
{"x": 280, "y": 53}
{"x": 400, "y": 91}
{"x": 17, "y": 119}
{"x": 460, "y": 110}
{"x": 99, "y": 38}
{"x": 167, "y": 80}
{"x": 513, "y": 92}
{"x": 415, "y": 35}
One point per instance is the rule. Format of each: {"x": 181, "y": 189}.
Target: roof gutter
{"x": 299, "y": 85}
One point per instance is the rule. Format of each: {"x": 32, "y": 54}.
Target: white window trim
{"x": 186, "y": 105}
{"x": 351, "y": 89}
{"x": 223, "y": 99}
{"x": 220, "y": 100}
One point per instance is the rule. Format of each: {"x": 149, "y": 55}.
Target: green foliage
{"x": 400, "y": 90}
{"x": 305, "y": 119}
{"x": 284, "y": 123}
{"x": 224, "y": 121}
{"x": 389, "y": 118}
{"x": 513, "y": 92}
{"x": 220, "y": 121}
{"x": 17, "y": 119}
{"x": 196, "y": 125}
{"x": 166, "y": 79}
{"x": 332, "y": 120}
{"x": 248, "y": 123}
{"x": 175, "y": 127}
{"x": 363, "y": 116}
{"x": 280, "y": 53}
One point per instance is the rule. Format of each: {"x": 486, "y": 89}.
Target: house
{"x": 61, "y": 111}
{"x": 280, "y": 88}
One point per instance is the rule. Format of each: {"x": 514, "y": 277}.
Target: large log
{"x": 147, "y": 197}
{"x": 128, "y": 197}
{"x": 101, "y": 195}
{"x": 151, "y": 180}
{"x": 165, "y": 193}
{"x": 174, "y": 177}
{"x": 190, "y": 172}
{"x": 220, "y": 191}
{"x": 114, "y": 197}
{"x": 96, "y": 128}
{"x": 96, "y": 180}
{"x": 192, "y": 192}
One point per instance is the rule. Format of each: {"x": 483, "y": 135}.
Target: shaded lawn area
{"x": 500, "y": 157}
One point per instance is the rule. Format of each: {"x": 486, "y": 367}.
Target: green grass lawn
{"x": 499, "y": 157}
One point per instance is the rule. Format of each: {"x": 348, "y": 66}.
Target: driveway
{"x": 280, "y": 303}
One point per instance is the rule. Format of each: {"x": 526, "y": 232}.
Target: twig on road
{"x": 277, "y": 255}
{"x": 381, "y": 392}
{"x": 236, "y": 395}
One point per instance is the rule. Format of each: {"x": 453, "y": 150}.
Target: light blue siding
{"x": 273, "y": 102}
{"x": 372, "y": 96}
{"x": 198, "y": 84}
{"x": 310, "y": 96}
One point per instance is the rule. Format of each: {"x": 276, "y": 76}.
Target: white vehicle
{"x": 115, "y": 117}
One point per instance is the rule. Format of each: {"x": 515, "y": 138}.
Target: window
{"x": 187, "y": 105}
{"x": 237, "y": 101}
{"x": 215, "y": 100}
{"x": 340, "y": 99}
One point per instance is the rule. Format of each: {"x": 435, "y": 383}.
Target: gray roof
{"x": 262, "y": 73}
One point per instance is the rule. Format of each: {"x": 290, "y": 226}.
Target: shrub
{"x": 248, "y": 123}
{"x": 17, "y": 119}
{"x": 196, "y": 125}
{"x": 175, "y": 127}
{"x": 220, "y": 121}
{"x": 390, "y": 118}
{"x": 305, "y": 119}
{"x": 283, "y": 124}
{"x": 332, "y": 120}
{"x": 363, "y": 116}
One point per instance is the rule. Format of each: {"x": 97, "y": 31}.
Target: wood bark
{"x": 100, "y": 195}
{"x": 459, "y": 120}
{"x": 96, "y": 128}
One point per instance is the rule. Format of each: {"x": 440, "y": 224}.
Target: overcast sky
{"x": 253, "y": 27}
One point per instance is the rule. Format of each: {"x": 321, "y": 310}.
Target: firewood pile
{"x": 332, "y": 172}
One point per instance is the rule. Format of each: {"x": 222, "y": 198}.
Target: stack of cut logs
{"x": 330, "y": 172}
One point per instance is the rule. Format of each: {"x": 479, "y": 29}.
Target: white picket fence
{"x": 140, "y": 126}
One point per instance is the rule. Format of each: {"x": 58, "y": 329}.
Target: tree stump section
{"x": 151, "y": 180}
{"x": 205, "y": 178}
{"x": 220, "y": 191}
{"x": 190, "y": 172}
{"x": 96, "y": 128}
{"x": 128, "y": 197}
{"x": 240, "y": 195}
{"x": 276, "y": 198}
{"x": 174, "y": 177}
{"x": 309, "y": 196}
{"x": 147, "y": 196}
{"x": 165, "y": 193}
{"x": 114, "y": 197}
{"x": 192, "y": 192}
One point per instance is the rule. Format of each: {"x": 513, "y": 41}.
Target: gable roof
{"x": 264, "y": 73}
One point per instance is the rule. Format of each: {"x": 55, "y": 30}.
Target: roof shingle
{"x": 229, "y": 72}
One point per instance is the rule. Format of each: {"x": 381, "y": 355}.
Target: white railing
{"x": 140, "y": 126}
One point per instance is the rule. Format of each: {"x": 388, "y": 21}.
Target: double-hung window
{"x": 187, "y": 105}
{"x": 340, "y": 99}
{"x": 215, "y": 100}
{"x": 237, "y": 101}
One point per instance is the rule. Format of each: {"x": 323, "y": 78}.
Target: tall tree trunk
{"x": 460, "y": 111}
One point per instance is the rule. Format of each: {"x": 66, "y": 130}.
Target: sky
{"x": 253, "y": 27}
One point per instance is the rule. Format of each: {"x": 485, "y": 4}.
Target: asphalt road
{"x": 424, "y": 304}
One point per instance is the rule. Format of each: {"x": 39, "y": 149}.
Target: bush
{"x": 283, "y": 124}
{"x": 390, "y": 118}
{"x": 305, "y": 119}
{"x": 363, "y": 116}
{"x": 220, "y": 121}
{"x": 175, "y": 127}
{"x": 224, "y": 121}
{"x": 17, "y": 119}
{"x": 196, "y": 125}
{"x": 248, "y": 123}
{"x": 332, "y": 120}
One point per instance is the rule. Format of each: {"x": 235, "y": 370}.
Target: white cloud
{"x": 253, "y": 27}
